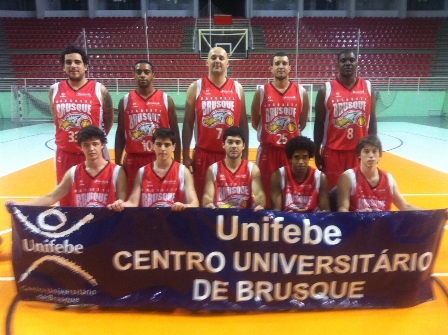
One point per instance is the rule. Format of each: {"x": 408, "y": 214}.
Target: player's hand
{"x": 188, "y": 162}
{"x": 210, "y": 205}
{"x": 320, "y": 163}
{"x": 258, "y": 208}
{"x": 10, "y": 203}
{"x": 117, "y": 206}
{"x": 178, "y": 206}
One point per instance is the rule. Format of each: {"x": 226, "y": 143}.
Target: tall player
{"x": 213, "y": 104}
{"x": 75, "y": 103}
{"x": 94, "y": 183}
{"x": 234, "y": 182}
{"x": 279, "y": 112}
{"x": 140, "y": 113}
{"x": 164, "y": 182}
{"x": 345, "y": 113}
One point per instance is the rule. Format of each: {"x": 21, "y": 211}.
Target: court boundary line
{"x": 6, "y": 231}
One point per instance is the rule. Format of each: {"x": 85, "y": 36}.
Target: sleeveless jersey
{"x": 142, "y": 117}
{"x": 162, "y": 192}
{"x": 233, "y": 189}
{"x": 347, "y": 114}
{"x": 300, "y": 197}
{"x": 364, "y": 196}
{"x": 74, "y": 109}
{"x": 216, "y": 110}
{"x": 280, "y": 114}
{"x": 98, "y": 191}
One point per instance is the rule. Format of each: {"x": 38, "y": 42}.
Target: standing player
{"x": 94, "y": 183}
{"x": 366, "y": 188}
{"x": 213, "y": 104}
{"x": 279, "y": 112}
{"x": 164, "y": 182}
{"x": 345, "y": 113}
{"x": 298, "y": 187}
{"x": 140, "y": 113}
{"x": 75, "y": 103}
{"x": 233, "y": 182}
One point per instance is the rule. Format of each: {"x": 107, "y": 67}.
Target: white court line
{"x": 440, "y": 274}
{"x": 6, "y": 231}
{"x": 426, "y": 195}
{"x": 7, "y": 278}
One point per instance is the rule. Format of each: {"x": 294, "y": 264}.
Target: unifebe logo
{"x": 56, "y": 243}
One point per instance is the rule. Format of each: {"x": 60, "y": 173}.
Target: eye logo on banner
{"x": 52, "y": 232}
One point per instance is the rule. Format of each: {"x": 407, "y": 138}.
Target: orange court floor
{"x": 422, "y": 186}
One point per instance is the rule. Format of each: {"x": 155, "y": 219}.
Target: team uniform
{"x": 346, "y": 122}
{"x": 216, "y": 110}
{"x": 233, "y": 189}
{"x": 74, "y": 109}
{"x": 362, "y": 195}
{"x": 98, "y": 191}
{"x": 162, "y": 192}
{"x": 300, "y": 197}
{"x": 280, "y": 115}
{"x": 141, "y": 118}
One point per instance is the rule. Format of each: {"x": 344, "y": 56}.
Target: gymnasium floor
{"x": 415, "y": 154}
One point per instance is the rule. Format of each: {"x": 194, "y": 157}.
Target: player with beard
{"x": 279, "y": 112}
{"x": 214, "y": 103}
{"x": 233, "y": 182}
{"x": 140, "y": 113}
{"x": 345, "y": 113}
{"x": 75, "y": 103}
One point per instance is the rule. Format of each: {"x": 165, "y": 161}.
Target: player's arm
{"x": 174, "y": 126}
{"x": 400, "y": 202}
{"x": 57, "y": 194}
{"x": 50, "y": 99}
{"x": 134, "y": 198}
{"x": 276, "y": 191}
{"x": 191, "y": 199}
{"x": 121, "y": 185}
{"x": 209, "y": 190}
{"x": 120, "y": 137}
{"x": 187, "y": 129}
{"x": 373, "y": 124}
{"x": 255, "y": 116}
{"x": 319, "y": 122}
{"x": 257, "y": 189}
{"x": 243, "y": 123}
{"x": 108, "y": 109}
{"x": 323, "y": 200}
{"x": 304, "y": 113}
{"x": 344, "y": 189}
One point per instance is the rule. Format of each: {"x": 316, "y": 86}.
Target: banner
{"x": 224, "y": 259}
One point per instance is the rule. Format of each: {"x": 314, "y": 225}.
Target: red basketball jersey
{"x": 216, "y": 110}
{"x": 362, "y": 196}
{"x": 348, "y": 114}
{"x": 98, "y": 191}
{"x": 233, "y": 189}
{"x": 161, "y": 192}
{"x": 74, "y": 109}
{"x": 300, "y": 197}
{"x": 280, "y": 114}
{"x": 142, "y": 117}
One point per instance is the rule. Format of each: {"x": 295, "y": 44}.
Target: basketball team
{"x": 154, "y": 166}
